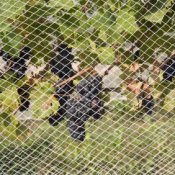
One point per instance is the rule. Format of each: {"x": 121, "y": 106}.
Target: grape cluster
{"x": 23, "y": 92}
{"x": 169, "y": 69}
{"x": 19, "y": 66}
{"x": 61, "y": 65}
{"x": 148, "y": 104}
{"x": 77, "y": 129}
{"x": 78, "y": 111}
{"x": 5, "y": 56}
{"x": 97, "y": 108}
{"x": 65, "y": 88}
{"x": 90, "y": 86}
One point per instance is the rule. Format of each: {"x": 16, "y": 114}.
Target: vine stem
{"x": 82, "y": 72}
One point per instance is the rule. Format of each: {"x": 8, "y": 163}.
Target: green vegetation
{"x": 114, "y": 144}
{"x": 126, "y": 140}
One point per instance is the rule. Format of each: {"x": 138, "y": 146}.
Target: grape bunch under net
{"x": 87, "y": 87}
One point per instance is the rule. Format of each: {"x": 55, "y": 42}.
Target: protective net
{"x": 87, "y": 87}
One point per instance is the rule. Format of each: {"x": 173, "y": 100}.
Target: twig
{"x": 83, "y": 71}
{"x": 117, "y": 89}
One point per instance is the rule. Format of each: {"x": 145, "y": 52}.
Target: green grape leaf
{"x": 126, "y": 21}
{"x": 38, "y": 30}
{"x": 113, "y": 35}
{"x": 103, "y": 20}
{"x": 69, "y": 20}
{"x": 106, "y": 55}
{"x": 21, "y": 130}
{"x": 99, "y": 3}
{"x": 9, "y": 9}
{"x": 9, "y": 99}
{"x": 40, "y": 52}
{"x": 37, "y": 12}
{"x": 84, "y": 21}
{"x": 141, "y": 9}
{"x": 5, "y": 83}
{"x": 81, "y": 41}
{"x": 155, "y": 6}
{"x": 157, "y": 16}
{"x": 170, "y": 101}
{"x": 11, "y": 42}
{"x": 8, "y": 128}
{"x": 6, "y": 119}
{"x": 68, "y": 4}
{"x": 87, "y": 58}
{"x": 42, "y": 101}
